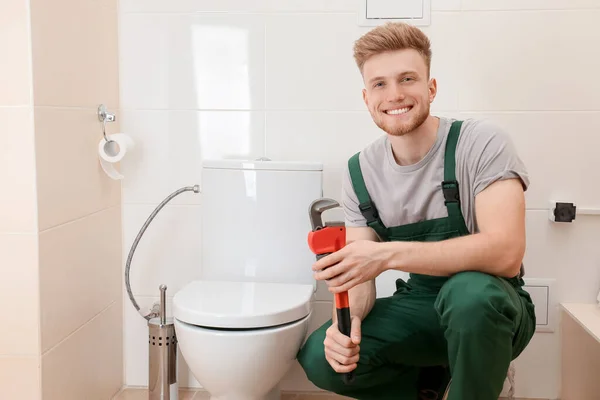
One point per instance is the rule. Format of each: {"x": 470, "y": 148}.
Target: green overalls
{"x": 472, "y": 322}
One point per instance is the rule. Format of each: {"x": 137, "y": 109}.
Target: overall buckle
{"x": 451, "y": 193}
{"x": 368, "y": 211}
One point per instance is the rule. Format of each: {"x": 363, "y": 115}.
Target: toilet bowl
{"x": 239, "y": 339}
{"x": 240, "y": 326}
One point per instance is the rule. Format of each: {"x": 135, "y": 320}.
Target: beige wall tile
{"x": 88, "y": 364}
{"x": 15, "y": 71}
{"x": 17, "y": 170}
{"x": 71, "y": 182}
{"x": 19, "y": 295}
{"x": 75, "y": 52}
{"x": 580, "y": 361}
{"x": 20, "y": 378}
{"x": 80, "y": 273}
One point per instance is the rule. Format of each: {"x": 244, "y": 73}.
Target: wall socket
{"x": 560, "y": 211}
{"x": 543, "y": 294}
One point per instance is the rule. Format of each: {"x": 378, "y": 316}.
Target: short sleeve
{"x": 352, "y": 214}
{"x": 493, "y": 157}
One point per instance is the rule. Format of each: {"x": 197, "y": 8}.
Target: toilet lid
{"x": 245, "y": 305}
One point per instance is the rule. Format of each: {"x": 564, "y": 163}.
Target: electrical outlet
{"x": 562, "y": 211}
{"x": 543, "y": 295}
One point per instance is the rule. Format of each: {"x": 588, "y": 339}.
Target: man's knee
{"x": 312, "y": 360}
{"x": 473, "y": 300}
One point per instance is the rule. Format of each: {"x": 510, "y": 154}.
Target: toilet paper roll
{"x": 112, "y": 151}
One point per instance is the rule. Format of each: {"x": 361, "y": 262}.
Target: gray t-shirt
{"x": 412, "y": 193}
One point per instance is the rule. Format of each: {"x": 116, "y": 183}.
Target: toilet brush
{"x": 162, "y": 343}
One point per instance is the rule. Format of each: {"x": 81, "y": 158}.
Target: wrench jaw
{"x": 316, "y": 208}
{"x": 328, "y": 239}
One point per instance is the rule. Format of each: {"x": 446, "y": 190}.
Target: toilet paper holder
{"x": 104, "y": 116}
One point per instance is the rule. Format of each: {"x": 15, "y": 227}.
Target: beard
{"x": 400, "y": 129}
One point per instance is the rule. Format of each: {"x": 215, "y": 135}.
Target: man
{"x": 444, "y": 201}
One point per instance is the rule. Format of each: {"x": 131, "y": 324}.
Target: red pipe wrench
{"x": 323, "y": 240}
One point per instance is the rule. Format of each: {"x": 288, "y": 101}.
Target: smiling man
{"x": 443, "y": 200}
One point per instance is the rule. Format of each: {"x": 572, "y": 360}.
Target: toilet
{"x": 240, "y": 327}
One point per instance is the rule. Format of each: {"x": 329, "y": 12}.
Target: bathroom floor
{"x": 142, "y": 394}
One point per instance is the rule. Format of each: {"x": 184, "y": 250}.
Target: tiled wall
{"x": 19, "y": 294}
{"x": 75, "y": 64}
{"x": 60, "y": 216}
{"x": 271, "y": 78}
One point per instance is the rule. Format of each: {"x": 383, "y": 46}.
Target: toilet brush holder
{"x": 162, "y": 365}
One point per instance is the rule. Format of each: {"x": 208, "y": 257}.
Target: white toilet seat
{"x": 241, "y": 305}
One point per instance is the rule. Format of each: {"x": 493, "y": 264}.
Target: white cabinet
{"x": 580, "y": 351}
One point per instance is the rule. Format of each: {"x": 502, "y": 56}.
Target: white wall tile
{"x": 543, "y": 62}
{"x": 295, "y": 380}
{"x": 170, "y": 147}
{"x": 338, "y": 6}
{"x": 537, "y": 369}
{"x": 317, "y": 136}
{"x": 567, "y": 252}
{"x": 166, "y": 156}
{"x": 385, "y": 283}
{"x": 168, "y": 252}
{"x": 322, "y": 293}
{"x": 190, "y": 6}
{"x": 528, "y": 4}
{"x": 312, "y": 68}
{"x": 322, "y": 312}
{"x": 143, "y": 60}
{"x": 342, "y": 6}
{"x": 192, "y": 61}
{"x": 259, "y": 6}
{"x": 559, "y": 151}
{"x": 445, "y": 5}
{"x": 315, "y": 70}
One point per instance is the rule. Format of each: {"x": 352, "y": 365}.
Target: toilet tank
{"x": 255, "y": 220}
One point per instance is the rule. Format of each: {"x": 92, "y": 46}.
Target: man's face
{"x": 397, "y": 90}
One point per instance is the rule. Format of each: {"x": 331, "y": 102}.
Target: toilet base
{"x": 274, "y": 394}
{"x": 241, "y": 364}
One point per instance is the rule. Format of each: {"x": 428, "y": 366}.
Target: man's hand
{"x": 358, "y": 262}
{"x": 341, "y": 352}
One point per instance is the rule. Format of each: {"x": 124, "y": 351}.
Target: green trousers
{"x": 475, "y": 324}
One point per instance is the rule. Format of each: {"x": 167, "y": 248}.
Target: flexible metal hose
{"x": 152, "y": 313}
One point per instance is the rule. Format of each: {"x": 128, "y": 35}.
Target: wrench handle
{"x": 344, "y": 324}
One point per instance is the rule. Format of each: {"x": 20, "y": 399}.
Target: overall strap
{"x": 450, "y": 184}
{"x": 366, "y": 206}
